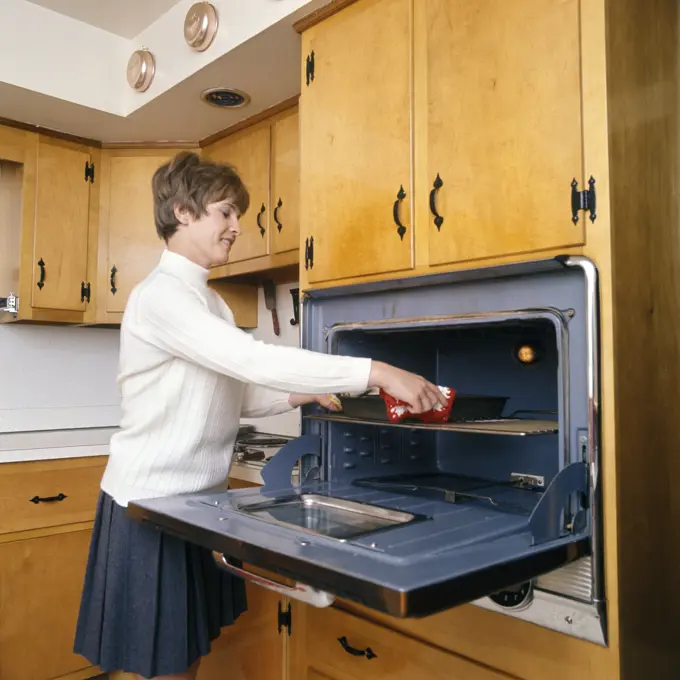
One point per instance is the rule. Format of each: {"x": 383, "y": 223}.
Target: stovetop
{"x": 257, "y": 447}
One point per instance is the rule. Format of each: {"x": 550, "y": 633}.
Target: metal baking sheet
{"x": 517, "y": 427}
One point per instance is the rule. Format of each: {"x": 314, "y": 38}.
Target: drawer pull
{"x": 48, "y": 499}
{"x": 368, "y": 652}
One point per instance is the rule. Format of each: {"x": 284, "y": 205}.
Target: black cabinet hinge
{"x": 583, "y": 200}
{"x": 309, "y": 253}
{"x": 85, "y": 291}
{"x": 285, "y": 619}
{"x": 310, "y": 68}
{"x": 89, "y": 172}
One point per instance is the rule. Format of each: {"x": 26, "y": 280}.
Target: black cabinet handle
{"x": 401, "y": 229}
{"x": 259, "y": 224}
{"x": 438, "y": 219}
{"x": 279, "y": 226}
{"x": 368, "y": 652}
{"x": 48, "y": 499}
{"x": 114, "y": 271}
{"x": 41, "y": 264}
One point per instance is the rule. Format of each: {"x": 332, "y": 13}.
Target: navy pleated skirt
{"x": 151, "y": 602}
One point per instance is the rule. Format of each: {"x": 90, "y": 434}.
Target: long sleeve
{"x": 176, "y": 319}
{"x": 259, "y": 402}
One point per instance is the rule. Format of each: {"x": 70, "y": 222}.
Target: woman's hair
{"x": 192, "y": 183}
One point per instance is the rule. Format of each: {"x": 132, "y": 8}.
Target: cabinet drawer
{"x": 338, "y": 646}
{"x": 48, "y": 493}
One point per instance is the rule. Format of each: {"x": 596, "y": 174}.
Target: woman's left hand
{"x": 327, "y": 401}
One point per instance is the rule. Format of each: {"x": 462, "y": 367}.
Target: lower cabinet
{"x": 330, "y": 644}
{"x": 251, "y": 649}
{"x": 41, "y": 581}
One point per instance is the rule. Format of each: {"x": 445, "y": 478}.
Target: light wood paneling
{"x": 41, "y": 582}
{"x": 318, "y": 652}
{"x": 13, "y": 144}
{"x": 249, "y": 153}
{"x": 285, "y": 183}
{"x": 11, "y": 181}
{"x": 127, "y": 216}
{"x": 241, "y": 299}
{"x": 504, "y": 126}
{"x": 78, "y": 481}
{"x": 61, "y": 225}
{"x": 355, "y": 157}
{"x": 643, "y": 76}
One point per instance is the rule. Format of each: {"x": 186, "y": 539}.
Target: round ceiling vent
{"x": 225, "y": 98}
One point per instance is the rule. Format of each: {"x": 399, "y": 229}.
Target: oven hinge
{"x": 10, "y": 304}
{"x": 583, "y": 200}
{"x": 285, "y": 618}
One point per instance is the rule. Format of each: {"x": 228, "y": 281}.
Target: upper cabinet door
{"x": 61, "y": 226}
{"x": 504, "y": 129}
{"x": 355, "y": 121}
{"x": 285, "y": 224}
{"x": 249, "y": 153}
{"x": 134, "y": 247}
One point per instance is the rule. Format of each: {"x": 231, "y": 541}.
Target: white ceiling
{"x": 267, "y": 67}
{"x": 126, "y": 18}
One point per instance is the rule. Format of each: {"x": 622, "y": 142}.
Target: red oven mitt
{"x": 397, "y": 410}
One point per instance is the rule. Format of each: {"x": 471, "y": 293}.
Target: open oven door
{"x": 401, "y": 554}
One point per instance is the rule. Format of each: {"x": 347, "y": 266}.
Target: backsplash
{"x": 285, "y": 423}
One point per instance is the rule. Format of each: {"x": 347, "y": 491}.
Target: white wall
{"x": 286, "y": 423}
{"x": 58, "y": 392}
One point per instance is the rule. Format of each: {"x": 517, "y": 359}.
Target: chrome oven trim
{"x": 555, "y": 316}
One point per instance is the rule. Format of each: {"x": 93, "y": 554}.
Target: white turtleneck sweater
{"x": 187, "y": 375}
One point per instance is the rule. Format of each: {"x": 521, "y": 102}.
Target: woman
{"x": 151, "y": 602}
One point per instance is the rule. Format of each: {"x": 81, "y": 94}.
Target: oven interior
{"x": 504, "y": 461}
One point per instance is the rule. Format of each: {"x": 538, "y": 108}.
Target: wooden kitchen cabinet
{"x": 40, "y": 587}
{"x": 474, "y": 109}
{"x": 251, "y": 649}
{"x": 128, "y": 245}
{"x": 285, "y": 182}
{"x": 355, "y": 155}
{"x": 330, "y": 644}
{"x": 266, "y": 153}
{"x": 46, "y": 210}
{"x": 502, "y": 125}
{"x": 249, "y": 152}
{"x": 48, "y": 508}
{"x": 62, "y": 218}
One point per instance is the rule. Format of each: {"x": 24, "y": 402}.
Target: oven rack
{"x": 516, "y": 427}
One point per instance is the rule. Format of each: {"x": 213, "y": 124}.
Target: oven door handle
{"x": 300, "y": 591}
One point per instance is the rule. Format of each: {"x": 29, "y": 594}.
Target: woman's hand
{"x": 420, "y": 394}
{"x": 328, "y": 401}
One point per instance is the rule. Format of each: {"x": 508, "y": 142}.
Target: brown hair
{"x": 192, "y": 183}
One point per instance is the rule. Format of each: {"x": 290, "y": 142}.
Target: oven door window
{"x": 404, "y": 546}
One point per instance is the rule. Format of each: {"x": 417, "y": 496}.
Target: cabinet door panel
{"x": 251, "y": 649}
{"x": 134, "y": 248}
{"x": 61, "y": 226}
{"x": 249, "y": 153}
{"x": 41, "y": 581}
{"x": 356, "y": 141}
{"x": 504, "y": 125}
{"x": 285, "y": 235}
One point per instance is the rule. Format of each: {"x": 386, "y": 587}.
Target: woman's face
{"x": 208, "y": 240}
